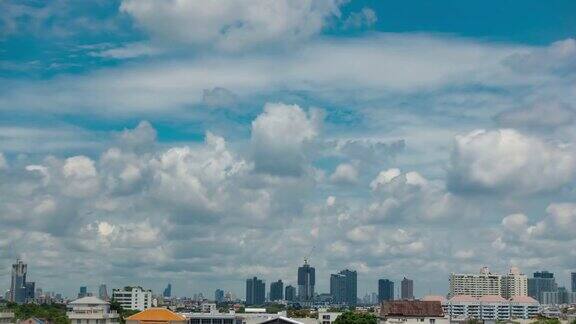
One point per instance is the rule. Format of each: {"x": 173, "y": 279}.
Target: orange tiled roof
{"x": 156, "y": 314}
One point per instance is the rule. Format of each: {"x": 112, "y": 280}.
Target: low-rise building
{"x": 91, "y": 310}
{"x": 213, "y": 318}
{"x": 412, "y": 311}
{"x": 133, "y": 298}
{"x": 489, "y": 308}
{"x": 327, "y": 317}
{"x": 6, "y": 316}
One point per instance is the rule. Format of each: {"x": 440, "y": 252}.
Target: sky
{"x": 201, "y": 143}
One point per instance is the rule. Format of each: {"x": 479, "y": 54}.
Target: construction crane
{"x": 309, "y": 255}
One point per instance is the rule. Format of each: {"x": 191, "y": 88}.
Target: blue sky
{"x": 204, "y": 142}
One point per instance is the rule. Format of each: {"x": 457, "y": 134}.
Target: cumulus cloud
{"x": 231, "y": 25}
{"x": 556, "y": 58}
{"x": 345, "y": 174}
{"x": 364, "y": 18}
{"x": 508, "y": 161}
{"x": 279, "y": 135}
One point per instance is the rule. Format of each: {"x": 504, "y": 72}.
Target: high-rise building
{"x": 167, "y": 291}
{"x": 219, "y": 296}
{"x": 277, "y": 290}
{"x": 574, "y": 282}
{"x": 255, "y": 291}
{"x": 290, "y": 293}
{"x": 18, "y": 290}
{"x": 543, "y": 281}
{"x": 133, "y": 298}
{"x": 103, "y": 292}
{"x": 306, "y": 282}
{"x": 343, "y": 287}
{"x": 514, "y": 284}
{"x": 385, "y": 290}
{"x": 475, "y": 284}
{"x": 407, "y": 289}
{"x": 83, "y": 292}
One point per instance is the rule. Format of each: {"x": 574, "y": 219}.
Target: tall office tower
{"x": 574, "y": 282}
{"x": 255, "y": 291}
{"x": 219, "y": 296}
{"x": 277, "y": 290}
{"x": 30, "y": 290}
{"x": 103, "y": 292}
{"x": 306, "y": 282}
{"x": 407, "y": 289}
{"x": 167, "y": 291}
{"x": 18, "y": 282}
{"x": 514, "y": 284}
{"x": 343, "y": 287}
{"x": 83, "y": 292}
{"x": 475, "y": 284}
{"x": 290, "y": 293}
{"x": 543, "y": 281}
{"x": 385, "y": 290}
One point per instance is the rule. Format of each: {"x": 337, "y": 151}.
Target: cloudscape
{"x": 201, "y": 143}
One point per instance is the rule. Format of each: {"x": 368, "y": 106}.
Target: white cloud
{"x": 364, "y": 18}
{"x": 539, "y": 114}
{"x": 230, "y": 24}
{"x": 278, "y": 138}
{"x": 508, "y": 161}
{"x": 345, "y": 173}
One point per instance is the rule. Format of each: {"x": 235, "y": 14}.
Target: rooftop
{"x": 412, "y": 308}
{"x": 90, "y": 300}
{"x": 156, "y": 314}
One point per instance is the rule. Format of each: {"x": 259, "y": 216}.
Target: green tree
{"x": 55, "y": 312}
{"x": 356, "y": 318}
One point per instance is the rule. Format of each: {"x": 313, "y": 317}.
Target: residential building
{"x": 344, "y": 287}
{"x": 255, "y": 291}
{"x": 542, "y": 281}
{"x": 475, "y": 284}
{"x": 514, "y": 284}
{"x": 385, "y": 290}
{"x": 91, "y": 310}
{"x": 19, "y": 287}
{"x": 156, "y": 316}
{"x": 133, "y": 298}
{"x": 412, "y": 312}
{"x": 6, "y": 316}
{"x": 290, "y": 293}
{"x": 219, "y": 296}
{"x": 407, "y": 289}
{"x": 306, "y": 282}
{"x": 103, "y": 292}
{"x": 167, "y": 291}
{"x": 327, "y": 317}
{"x": 488, "y": 308}
{"x": 277, "y": 290}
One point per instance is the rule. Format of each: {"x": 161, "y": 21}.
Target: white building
{"x": 514, "y": 284}
{"x": 133, "y": 298}
{"x": 91, "y": 310}
{"x": 327, "y": 317}
{"x": 208, "y": 308}
{"x": 6, "y": 316}
{"x": 464, "y": 307}
{"x": 476, "y": 285}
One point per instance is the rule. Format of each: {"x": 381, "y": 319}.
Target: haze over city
{"x": 203, "y": 143}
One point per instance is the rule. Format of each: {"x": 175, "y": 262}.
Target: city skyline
{"x": 147, "y": 142}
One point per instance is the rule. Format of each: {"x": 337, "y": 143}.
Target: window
{"x": 432, "y": 320}
{"x": 326, "y": 317}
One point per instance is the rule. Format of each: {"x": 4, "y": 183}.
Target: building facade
{"x": 407, "y": 289}
{"x": 491, "y": 308}
{"x": 573, "y": 277}
{"x": 514, "y": 284}
{"x": 480, "y": 284}
{"x": 219, "y": 295}
{"x": 133, "y": 298}
{"x": 255, "y": 291}
{"x": 290, "y": 293}
{"x": 167, "y": 293}
{"x": 327, "y": 317}
{"x": 344, "y": 287}
{"x": 21, "y": 291}
{"x": 412, "y": 312}
{"x": 385, "y": 290}
{"x": 306, "y": 282}
{"x": 91, "y": 310}
{"x": 541, "y": 282}
{"x": 277, "y": 291}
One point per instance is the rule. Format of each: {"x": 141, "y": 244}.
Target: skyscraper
{"x": 277, "y": 290}
{"x": 167, "y": 291}
{"x": 219, "y": 295}
{"x": 290, "y": 293}
{"x": 385, "y": 290}
{"x": 18, "y": 291}
{"x": 543, "y": 281}
{"x": 83, "y": 292}
{"x": 343, "y": 287}
{"x": 255, "y": 291}
{"x": 306, "y": 282}
{"x": 103, "y": 292}
{"x": 407, "y": 289}
{"x": 574, "y": 282}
